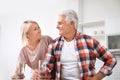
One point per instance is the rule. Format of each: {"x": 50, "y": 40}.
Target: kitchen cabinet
{"x": 95, "y": 29}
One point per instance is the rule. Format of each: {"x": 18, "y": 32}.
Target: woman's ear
{"x": 27, "y": 35}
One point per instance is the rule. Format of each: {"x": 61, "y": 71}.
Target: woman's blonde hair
{"x": 24, "y": 29}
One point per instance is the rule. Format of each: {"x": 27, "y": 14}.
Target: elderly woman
{"x": 34, "y": 49}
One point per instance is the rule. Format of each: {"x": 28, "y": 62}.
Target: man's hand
{"x": 98, "y": 76}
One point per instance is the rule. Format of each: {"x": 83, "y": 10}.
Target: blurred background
{"x": 99, "y": 18}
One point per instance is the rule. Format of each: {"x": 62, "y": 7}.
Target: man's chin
{"x": 60, "y": 34}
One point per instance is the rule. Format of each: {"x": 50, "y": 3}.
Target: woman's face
{"x": 34, "y": 32}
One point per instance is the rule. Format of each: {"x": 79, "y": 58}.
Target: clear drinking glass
{"x": 20, "y": 71}
{"x": 28, "y": 73}
{"x": 41, "y": 68}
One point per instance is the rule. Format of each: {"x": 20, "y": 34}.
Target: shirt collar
{"x": 77, "y": 35}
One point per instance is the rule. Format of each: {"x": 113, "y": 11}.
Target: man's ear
{"x": 72, "y": 23}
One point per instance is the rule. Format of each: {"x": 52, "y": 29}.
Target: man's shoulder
{"x": 82, "y": 35}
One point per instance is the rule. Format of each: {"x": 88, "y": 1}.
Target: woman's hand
{"x": 18, "y": 76}
{"x": 14, "y": 77}
{"x": 36, "y": 75}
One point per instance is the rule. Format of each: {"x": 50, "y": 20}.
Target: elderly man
{"x": 72, "y": 56}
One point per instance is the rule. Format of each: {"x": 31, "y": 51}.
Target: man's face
{"x": 63, "y": 26}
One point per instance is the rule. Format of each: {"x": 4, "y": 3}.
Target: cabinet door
{"x": 94, "y": 29}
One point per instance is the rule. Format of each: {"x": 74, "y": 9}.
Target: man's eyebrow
{"x": 59, "y": 22}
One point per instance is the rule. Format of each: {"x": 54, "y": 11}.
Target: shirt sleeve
{"x": 50, "y": 61}
{"x": 21, "y": 57}
{"x": 107, "y": 57}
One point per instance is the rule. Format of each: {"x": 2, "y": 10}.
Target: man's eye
{"x": 59, "y": 23}
{"x": 34, "y": 29}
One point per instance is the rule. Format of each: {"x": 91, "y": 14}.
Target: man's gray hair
{"x": 71, "y": 15}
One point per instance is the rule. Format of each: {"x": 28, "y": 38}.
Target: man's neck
{"x": 70, "y": 36}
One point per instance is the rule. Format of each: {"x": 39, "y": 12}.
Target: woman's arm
{"x": 18, "y": 72}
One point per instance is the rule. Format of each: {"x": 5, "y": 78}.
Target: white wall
{"x": 13, "y": 13}
{"x": 108, "y": 10}
{"x": 100, "y": 9}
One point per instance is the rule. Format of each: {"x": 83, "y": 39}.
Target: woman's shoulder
{"x": 46, "y": 37}
{"x": 24, "y": 48}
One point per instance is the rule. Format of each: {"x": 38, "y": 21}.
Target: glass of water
{"x": 41, "y": 68}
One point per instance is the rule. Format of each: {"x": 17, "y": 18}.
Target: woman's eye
{"x": 36, "y": 28}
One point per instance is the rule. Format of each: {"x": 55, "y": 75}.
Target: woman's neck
{"x": 32, "y": 45}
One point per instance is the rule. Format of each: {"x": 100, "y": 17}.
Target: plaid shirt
{"x": 87, "y": 50}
